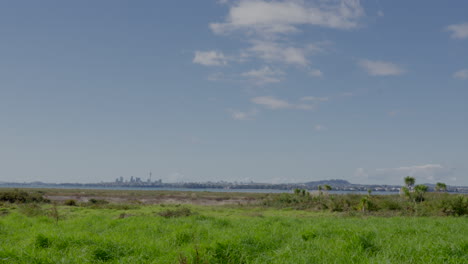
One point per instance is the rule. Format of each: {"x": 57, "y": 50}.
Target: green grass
{"x": 224, "y": 234}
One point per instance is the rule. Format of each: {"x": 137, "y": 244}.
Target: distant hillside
{"x": 337, "y": 183}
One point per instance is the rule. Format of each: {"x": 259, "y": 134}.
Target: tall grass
{"x": 227, "y": 235}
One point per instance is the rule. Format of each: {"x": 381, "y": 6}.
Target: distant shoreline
{"x": 143, "y": 188}
{"x": 338, "y": 187}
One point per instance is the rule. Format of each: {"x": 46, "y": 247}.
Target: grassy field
{"x": 230, "y": 233}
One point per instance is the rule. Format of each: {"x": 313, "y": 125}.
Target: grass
{"x": 228, "y": 235}
{"x": 99, "y": 232}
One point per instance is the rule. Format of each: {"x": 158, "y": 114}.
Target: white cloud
{"x": 274, "y": 52}
{"x": 320, "y": 127}
{"x": 427, "y": 173}
{"x": 461, "y": 74}
{"x": 210, "y": 58}
{"x": 380, "y": 13}
{"x": 264, "y": 75}
{"x": 271, "y": 102}
{"x": 305, "y": 103}
{"x": 277, "y": 17}
{"x": 239, "y": 115}
{"x": 380, "y": 68}
{"x": 459, "y": 31}
{"x": 316, "y": 73}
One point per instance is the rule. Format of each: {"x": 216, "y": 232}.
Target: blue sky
{"x": 269, "y": 91}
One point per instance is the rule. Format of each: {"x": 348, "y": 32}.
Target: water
{"x": 179, "y": 189}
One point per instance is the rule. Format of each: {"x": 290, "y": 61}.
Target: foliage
{"x": 19, "y": 196}
{"x": 420, "y": 190}
{"x": 428, "y": 203}
{"x": 440, "y": 186}
{"x": 456, "y": 206}
{"x": 70, "y": 202}
{"x": 409, "y": 181}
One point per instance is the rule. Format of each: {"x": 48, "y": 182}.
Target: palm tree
{"x": 420, "y": 191}
{"x": 440, "y": 186}
{"x": 409, "y": 181}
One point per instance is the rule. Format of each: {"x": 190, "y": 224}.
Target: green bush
{"x": 70, "y": 202}
{"x": 18, "y": 196}
{"x": 456, "y": 206}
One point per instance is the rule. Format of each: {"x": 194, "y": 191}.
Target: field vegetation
{"x": 59, "y": 226}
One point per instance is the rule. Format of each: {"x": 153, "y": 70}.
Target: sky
{"x": 276, "y": 91}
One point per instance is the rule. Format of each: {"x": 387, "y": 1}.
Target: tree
{"x": 327, "y": 187}
{"x": 440, "y": 186}
{"x": 420, "y": 191}
{"x": 297, "y": 191}
{"x": 409, "y": 181}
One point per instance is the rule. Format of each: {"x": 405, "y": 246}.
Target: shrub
{"x": 18, "y": 196}
{"x": 97, "y": 201}
{"x": 70, "y": 202}
{"x": 456, "y": 206}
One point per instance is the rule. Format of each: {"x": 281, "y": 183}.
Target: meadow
{"x": 252, "y": 229}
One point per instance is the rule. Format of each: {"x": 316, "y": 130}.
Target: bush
{"x": 70, "y": 202}
{"x": 17, "y": 196}
{"x": 97, "y": 201}
{"x": 456, "y": 206}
